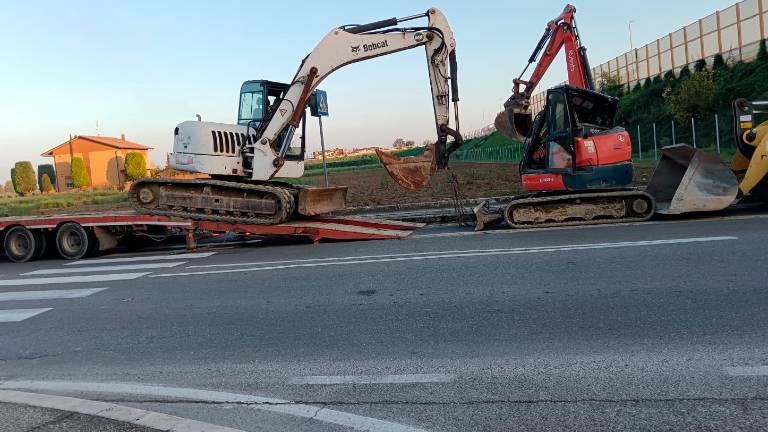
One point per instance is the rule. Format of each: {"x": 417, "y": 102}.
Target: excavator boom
{"x": 516, "y": 120}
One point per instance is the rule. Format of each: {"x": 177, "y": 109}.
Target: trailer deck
{"x": 78, "y": 235}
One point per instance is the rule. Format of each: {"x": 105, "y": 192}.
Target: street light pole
{"x": 631, "y": 44}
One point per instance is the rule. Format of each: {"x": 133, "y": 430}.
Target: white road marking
{"x": 72, "y": 279}
{"x": 448, "y": 252}
{"x": 139, "y": 417}
{"x": 598, "y": 226}
{"x": 341, "y": 418}
{"x": 374, "y": 379}
{"x": 141, "y": 258}
{"x": 747, "y": 371}
{"x": 49, "y": 294}
{"x": 458, "y": 254}
{"x": 16, "y": 315}
{"x": 95, "y": 269}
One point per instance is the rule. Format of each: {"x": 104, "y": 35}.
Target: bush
{"x": 43, "y": 170}
{"x": 45, "y": 184}
{"x": 9, "y": 189}
{"x": 13, "y": 180}
{"x": 762, "y": 55}
{"x": 80, "y": 176}
{"x": 25, "y": 178}
{"x": 719, "y": 62}
{"x": 135, "y": 166}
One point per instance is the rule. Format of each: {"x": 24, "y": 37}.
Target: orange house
{"x": 104, "y": 159}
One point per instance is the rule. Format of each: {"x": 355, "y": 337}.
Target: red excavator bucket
{"x": 411, "y": 172}
{"x": 688, "y": 180}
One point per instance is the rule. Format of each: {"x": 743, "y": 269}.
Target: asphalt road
{"x": 660, "y": 326}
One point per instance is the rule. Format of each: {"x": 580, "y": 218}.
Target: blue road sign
{"x": 320, "y": 105}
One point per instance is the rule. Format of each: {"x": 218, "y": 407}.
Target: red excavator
{"x": 577, "y": 163}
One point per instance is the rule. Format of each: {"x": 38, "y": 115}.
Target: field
{"x": 369, "y": 185}
{"x": 63, "y": 202}
{"x": 373, "y": 186}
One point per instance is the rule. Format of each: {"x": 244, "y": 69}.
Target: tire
{"x": 73, "y": 241}
{"x": 41, "y": 245}
{"x": 20, "y": 244}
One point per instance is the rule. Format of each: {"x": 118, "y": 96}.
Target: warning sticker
{"x": 283, "y": 111}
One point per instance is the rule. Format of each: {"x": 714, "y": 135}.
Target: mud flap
{"x": 317, "y": 201}
{"x": 514, "y": 122}
{"x": 688, "y": 180}
{"x": 411, "y": 172}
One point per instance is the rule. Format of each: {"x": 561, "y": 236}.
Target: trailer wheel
{"x": 19, "y": 244}
{"x": 41, "y": 243}
{"x": 73, "y": 241}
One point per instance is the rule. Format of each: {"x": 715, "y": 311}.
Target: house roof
{"x": 116, "y": 143}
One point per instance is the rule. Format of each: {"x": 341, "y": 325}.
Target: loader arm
{"x": 350, "y": 44}
{"x": 516, "y": 119}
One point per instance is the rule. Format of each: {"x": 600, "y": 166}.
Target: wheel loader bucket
{"x": 411, "y": 172}
{"x": 514, "y": 122}
{"x": 688, "y": 180}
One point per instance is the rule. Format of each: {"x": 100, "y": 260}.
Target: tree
{"x": 25, "y": 178}
{"x": 13, "y": 180}
{"x": 719, "y": 62}
{"x": 657, "y": 80}
{"x": 45, "y": 184}
{"x": 669, "y": 76}
{"x": 80, "y": 176}
{"x": 695, "y": 97}
{"x": 647, "y": 84}
{"x": 135, "y": 166}
{"x": 9, "y": 189}
{"x": 637, "y": 88}
{"x": 43, "y": 170}
{"x": 700, "y": 65}
{"x": 610, "y": 84}
{"x": 762, "y": 54}
{"x": 685, "y": 72}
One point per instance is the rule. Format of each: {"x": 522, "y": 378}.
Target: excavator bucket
{"x": 411, "y": 172}
{"x": 688, "y": 180}
{"x": 514, "y": 122}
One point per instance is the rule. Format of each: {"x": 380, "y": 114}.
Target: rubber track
{"x": 537, "y": 200}
{"x": 282, "y": 194}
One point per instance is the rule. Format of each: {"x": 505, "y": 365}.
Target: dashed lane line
{"x": 97, "y": 269}
{"x": 177, "y": 256}
{"x": 16, "y": 315}
{"x": 72, "y": 279}
{"x": 373, "y": 379}
{"x": 48, "y": 294}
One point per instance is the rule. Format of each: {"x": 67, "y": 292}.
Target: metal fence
{"x": 712, "y": 133}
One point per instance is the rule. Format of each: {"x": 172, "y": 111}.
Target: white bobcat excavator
{"x": 243, "y": 159}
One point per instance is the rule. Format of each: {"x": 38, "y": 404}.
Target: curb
{"x": 135, "y": 416}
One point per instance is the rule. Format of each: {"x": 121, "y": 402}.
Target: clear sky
{"x": 140, "y": 67}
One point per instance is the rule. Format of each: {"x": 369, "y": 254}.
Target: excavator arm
{"x": 516, "y": 119}
{"x": 350, "y": 44}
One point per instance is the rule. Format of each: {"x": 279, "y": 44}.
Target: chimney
{"x": 122, "y": 137}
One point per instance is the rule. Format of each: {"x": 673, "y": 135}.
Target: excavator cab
{"x": 574, "y": 144}
{"x": 258, "y": 101}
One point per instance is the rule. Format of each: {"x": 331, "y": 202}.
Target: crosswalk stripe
{"x": 141, "y": 258}
{"x": 48, "y": 294}
{"x": 144, "y": 266}
{"x": 16, "y": 315}
{"x": 72, "y": 279}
